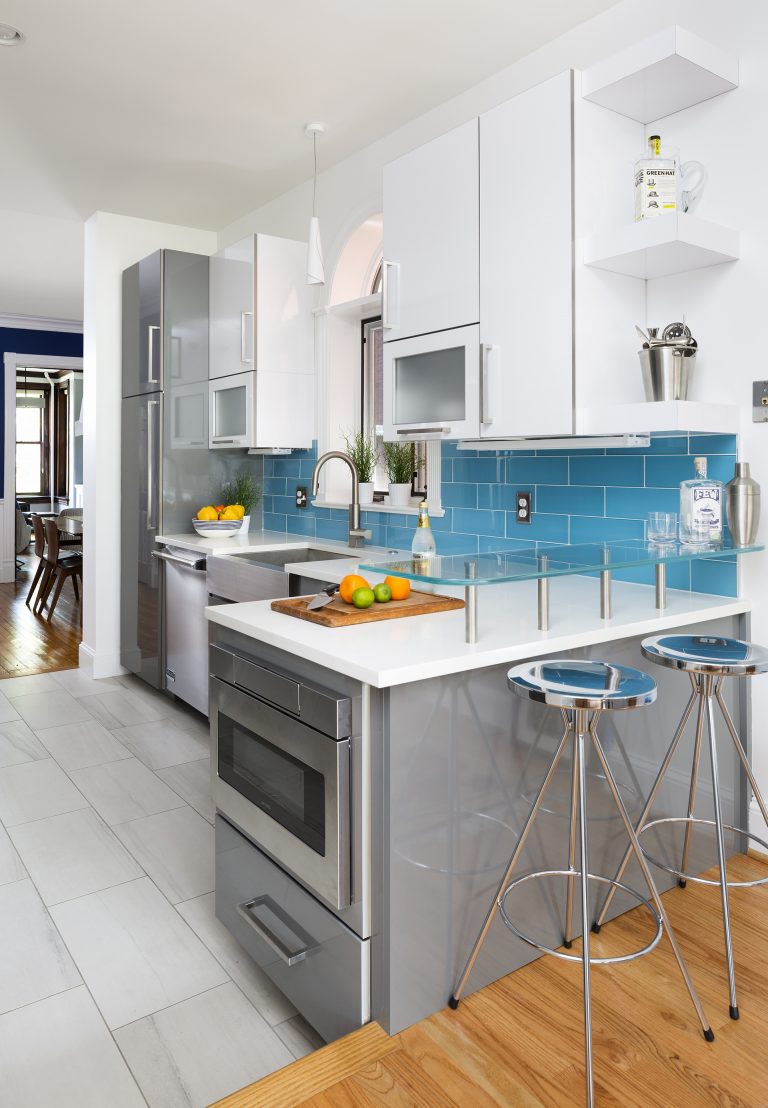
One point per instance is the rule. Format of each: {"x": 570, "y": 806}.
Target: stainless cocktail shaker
{"x": 742, "y": 506}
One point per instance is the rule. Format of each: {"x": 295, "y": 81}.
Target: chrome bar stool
{"x": 582, "y": 690}
{"x": 707, "y": 659}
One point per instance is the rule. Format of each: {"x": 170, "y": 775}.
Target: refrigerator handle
{"x": 151, "y": 354}
{"x": 151, "y": 490}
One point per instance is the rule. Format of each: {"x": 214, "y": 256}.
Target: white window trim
{"x": 354, "y": 312}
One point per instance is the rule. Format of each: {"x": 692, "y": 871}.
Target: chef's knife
{"x": 323, "y": 598}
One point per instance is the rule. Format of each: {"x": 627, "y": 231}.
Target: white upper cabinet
{"x": 431, "y": 237}
{"x": 526, "y": 270}
{"x": 261, "y": 345}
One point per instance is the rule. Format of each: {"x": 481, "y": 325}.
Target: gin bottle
{"x": 701, "y": 507}
{"x": 423, "y": 547}
{"x": 655, "y": 182}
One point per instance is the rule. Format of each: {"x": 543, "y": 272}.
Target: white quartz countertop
{"x": 399, "y": 651}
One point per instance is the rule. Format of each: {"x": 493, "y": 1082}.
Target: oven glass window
{"x": 285, "y": 788}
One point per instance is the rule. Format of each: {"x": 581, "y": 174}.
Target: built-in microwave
{"x": 433, "y": 386}
{"x": 282, "y": 755}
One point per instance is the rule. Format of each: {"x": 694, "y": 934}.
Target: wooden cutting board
{"x": 339, "y": 614}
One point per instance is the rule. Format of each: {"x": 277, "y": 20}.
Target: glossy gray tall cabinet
{"x": 165, "y": 460}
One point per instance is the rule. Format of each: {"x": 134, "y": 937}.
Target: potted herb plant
{"x": 362, "y": 449}
{"x": 400, "y": 459}
{"x": 242, "y": 489}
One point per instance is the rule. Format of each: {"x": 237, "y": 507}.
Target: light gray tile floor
{"x": 193, "y": 1017}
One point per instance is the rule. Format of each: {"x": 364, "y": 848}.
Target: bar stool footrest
{"x": 594, "y": 961}
{"x": 683, "y": 878}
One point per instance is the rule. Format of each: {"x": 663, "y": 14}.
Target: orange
{"x": 400, "y": 586}
{"x": 351, "y": 582}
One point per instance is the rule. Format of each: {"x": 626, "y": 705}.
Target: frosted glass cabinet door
{"x": 431, "y": 236}
{"x": 431, "y": 385}
{"x": 231, "y": 405}
{"x": 526, "y": 272}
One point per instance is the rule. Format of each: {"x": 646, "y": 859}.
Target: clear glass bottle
{"x": 423, "y": 546}
{"x": 655, "y": 182}
{"x": 701, "y": 507}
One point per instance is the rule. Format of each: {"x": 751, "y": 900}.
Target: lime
{"x": 382, "y": 593}
{"x": 363, "y": 597}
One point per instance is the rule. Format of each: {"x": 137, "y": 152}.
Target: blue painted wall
{"x": 582, "y": 496}
{"x": 18, "y": 341}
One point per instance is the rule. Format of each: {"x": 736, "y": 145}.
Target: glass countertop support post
{"x": 605, "y": 588}
{"x": 543, "y": 594}
{"x": 470, "y": 603}
{"x": 661, "y": 585}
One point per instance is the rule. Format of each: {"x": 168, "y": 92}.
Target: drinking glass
{"x": 694, "y": 531}
{"x": 662, "y": 526}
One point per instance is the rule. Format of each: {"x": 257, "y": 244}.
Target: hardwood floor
{"x": 519, "y": 1042}
{"x": 29, "y": 643}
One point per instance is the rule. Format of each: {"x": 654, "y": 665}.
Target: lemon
{"x": 240, "y": 509}
{"x": 207, "y": 513}
{"x": 230, "y": 513}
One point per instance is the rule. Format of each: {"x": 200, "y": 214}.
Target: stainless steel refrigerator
{"x": 165, "y": 460}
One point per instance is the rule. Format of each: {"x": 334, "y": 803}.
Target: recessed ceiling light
{"x": 9, "y": 36}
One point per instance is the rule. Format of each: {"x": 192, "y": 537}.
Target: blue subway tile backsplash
{"x": 578, "y": 497}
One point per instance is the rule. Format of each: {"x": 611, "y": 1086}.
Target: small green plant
{"x": 400, "y": 460}
{"x": 362, "y": 449}
{"x": 241, "y": 489}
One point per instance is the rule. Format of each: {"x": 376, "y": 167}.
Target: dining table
{"x": 70, "y": 525}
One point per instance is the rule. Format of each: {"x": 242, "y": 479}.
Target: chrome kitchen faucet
{"x": 357, "y": 535}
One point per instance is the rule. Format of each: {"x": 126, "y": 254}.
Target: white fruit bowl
{"x": 217, "y": 526}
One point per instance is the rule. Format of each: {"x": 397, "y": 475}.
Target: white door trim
{"x": 11, "y": 362}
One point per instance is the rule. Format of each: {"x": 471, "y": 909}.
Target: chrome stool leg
{"x": 694, "y": 781}
{"x": 454, "y": 1000}
{"x": 600, "y": 919}
{"x": 707, "y": 683}
{"x": 581, "y": 725}
{"x": 575, "y": 787}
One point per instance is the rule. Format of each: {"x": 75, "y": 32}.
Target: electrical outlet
{"x": 302, "y": 500}
{"x": 760, "y": 401}
{"x": 523, "y": 512}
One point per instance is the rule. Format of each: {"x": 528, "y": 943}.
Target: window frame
{"x": 43, "y": 442}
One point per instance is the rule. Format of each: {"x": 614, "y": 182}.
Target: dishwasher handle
{"x": 198, "y": 564}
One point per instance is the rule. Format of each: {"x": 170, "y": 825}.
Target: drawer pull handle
{"x": 290, "y": 956}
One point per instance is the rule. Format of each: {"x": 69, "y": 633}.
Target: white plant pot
{"x": 366, "y": 492}
{"x": 400, "y": 495}
{"x": 245, "y": 525}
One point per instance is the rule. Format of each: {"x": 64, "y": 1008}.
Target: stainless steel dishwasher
{"x": 186, "y": 628}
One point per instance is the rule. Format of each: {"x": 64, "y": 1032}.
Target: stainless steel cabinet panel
{"x": 140, "y": 578}
{"x": 320, "y": 965}
{"x": 142, "y": 318}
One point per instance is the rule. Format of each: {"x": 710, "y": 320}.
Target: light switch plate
{"x": 760, "y": 401}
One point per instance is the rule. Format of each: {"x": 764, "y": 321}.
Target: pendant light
{"x": 315, "y": 269}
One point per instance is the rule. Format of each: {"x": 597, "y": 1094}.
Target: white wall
{"x": 112, "y": 243}
{"x": 725, "y": 304}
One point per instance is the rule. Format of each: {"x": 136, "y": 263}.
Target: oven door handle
{"x": 290, "y": 956}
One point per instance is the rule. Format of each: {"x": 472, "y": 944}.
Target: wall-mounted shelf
{"x": 674, "y": 417}
{"x": 672, "y": 70}
{"x": 657, "y": 247}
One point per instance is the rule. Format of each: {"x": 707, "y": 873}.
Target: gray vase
{"x": 742, "y": 506}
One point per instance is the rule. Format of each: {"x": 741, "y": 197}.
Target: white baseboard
{"x": 99, "y": 665}
{"x": 757, "y": 824}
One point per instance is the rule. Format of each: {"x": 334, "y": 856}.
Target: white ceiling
{"x": 193, "y": 112}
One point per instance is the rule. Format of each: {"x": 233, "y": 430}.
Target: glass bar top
{"x": 550, "y": 560}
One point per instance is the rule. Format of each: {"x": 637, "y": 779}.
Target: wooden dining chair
{"x": 39, "y": 533}
{"x": 58, "y": 569}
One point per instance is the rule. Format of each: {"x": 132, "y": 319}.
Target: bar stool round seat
{"x": 707, "y": 654}
{"x": 708, "y": 660}
{"x": 581, "y": 690}
{"x": 591, "y": 686}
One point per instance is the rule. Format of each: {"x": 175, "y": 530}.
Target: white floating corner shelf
{"x": 672, "y": 70}
{"x": 672, "y": 417}
{"x": 659, "y": 247}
